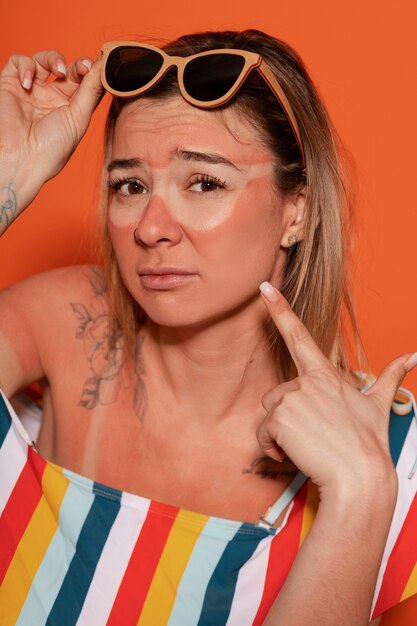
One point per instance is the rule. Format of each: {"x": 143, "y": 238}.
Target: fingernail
{"x": 410, "y": 362}
{"x": 60, "y": 66}
{"x": 269, "y": 292}
{"x": 87, "y": 63}
{"x": 27, "y": 80}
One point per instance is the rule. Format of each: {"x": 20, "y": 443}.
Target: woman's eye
{"x": 206, "y": 184}
{"x": 127, "y": 187}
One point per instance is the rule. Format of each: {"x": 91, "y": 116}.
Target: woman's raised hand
{"x": 333, "y": 433}
{"x": 45, "y": 109}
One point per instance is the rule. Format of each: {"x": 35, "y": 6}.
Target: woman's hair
{"x": 315, "y": 278}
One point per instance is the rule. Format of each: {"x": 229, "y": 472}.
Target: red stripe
{"x": 283, "y": 550}
{"x": 19, "y": 508}
{"x": 142, "y": 564}
{"x": 401, "y": 563}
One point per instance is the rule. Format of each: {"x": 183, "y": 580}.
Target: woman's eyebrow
{"x": 206, "y": 157}
{"x": 123, "y": 164}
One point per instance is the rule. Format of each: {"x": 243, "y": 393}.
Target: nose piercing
{"x": 135, "y": 236}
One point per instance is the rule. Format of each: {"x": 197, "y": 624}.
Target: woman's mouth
{"x": 164, "y": 278}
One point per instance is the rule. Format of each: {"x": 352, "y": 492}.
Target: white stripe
{"x": 407, "y": 490}
{"x": 250, "y": 586}
{"x": 54, "y": 566}
{"x": 13, "y": 456}
{"x": 113, "y": 562}
{"x": 16, "y": 421}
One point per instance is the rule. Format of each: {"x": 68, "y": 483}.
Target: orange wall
{"x": 362, "y": 55}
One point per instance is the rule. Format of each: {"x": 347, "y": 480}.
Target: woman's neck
{"x": 211, "y": 372}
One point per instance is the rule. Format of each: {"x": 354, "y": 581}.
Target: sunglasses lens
{"x": 129, "y": 67}
{"x": 209, "y": 77}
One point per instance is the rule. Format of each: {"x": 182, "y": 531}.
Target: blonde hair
{"x": 315, "y": 280}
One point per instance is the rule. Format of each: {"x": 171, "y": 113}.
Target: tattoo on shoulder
{"x": 104, "y": 350}
{"x": 8, "y": 206}
{"x": 265, "y": 467}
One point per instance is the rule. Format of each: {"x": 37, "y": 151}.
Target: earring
{"x": 292, "y": 239}
{"x": 135, "y": 236}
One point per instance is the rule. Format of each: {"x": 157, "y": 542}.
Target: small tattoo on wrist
{"x": 8, "y": 206}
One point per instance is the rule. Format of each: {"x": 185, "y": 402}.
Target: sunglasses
{"x": 206, "y": 80}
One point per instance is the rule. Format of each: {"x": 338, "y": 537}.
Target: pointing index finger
{"x": 306, "y": 354}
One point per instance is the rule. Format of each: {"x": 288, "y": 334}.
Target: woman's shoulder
{"x": 74, "y": 280}
{"x": 41, "y": 316}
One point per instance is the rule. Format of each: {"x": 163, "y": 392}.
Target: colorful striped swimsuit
{"x": 74, "y": 551}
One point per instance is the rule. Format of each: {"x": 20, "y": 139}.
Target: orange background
{"x": 362, "y": 55}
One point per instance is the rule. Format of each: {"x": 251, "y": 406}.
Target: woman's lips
{"x": 165, "y": 278}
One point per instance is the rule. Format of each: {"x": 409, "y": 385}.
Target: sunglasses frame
{"x": 253, "y": 60}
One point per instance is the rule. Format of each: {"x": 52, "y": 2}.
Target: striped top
{"x": 74, "y": 551}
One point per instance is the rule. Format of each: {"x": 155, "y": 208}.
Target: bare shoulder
{"x": 40, "y": 317}
{"x": 57, "y": 284}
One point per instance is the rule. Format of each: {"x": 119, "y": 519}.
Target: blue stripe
{"x": 5, "y": 420}
{"x": 99, "y": 521}
{"x": 399, "y": 426}
{"x": 203, "y": 561}
{"x": 53, "y": 569}
{"x": 222, "y": 585}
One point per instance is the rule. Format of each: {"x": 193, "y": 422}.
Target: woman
{"x": 170, "y": 375}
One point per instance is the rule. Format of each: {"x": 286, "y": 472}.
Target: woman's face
{"x": 198, "y": 191}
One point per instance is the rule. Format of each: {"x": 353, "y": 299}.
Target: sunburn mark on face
{"x": 166, "y": 150}
{"x": 229, "y": 239}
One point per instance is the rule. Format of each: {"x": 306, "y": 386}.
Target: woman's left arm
{"x": 338, "y": 437}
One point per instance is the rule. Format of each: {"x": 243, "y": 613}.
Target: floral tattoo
{"x": 104, "y": 349}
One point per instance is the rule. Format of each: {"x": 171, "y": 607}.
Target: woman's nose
{"x": 157, "y": 226}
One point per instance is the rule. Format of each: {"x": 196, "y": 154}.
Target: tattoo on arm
{"x": 265, "y": 467}
{"x": 8, "y": 207}
{"x": 105, "y": 351}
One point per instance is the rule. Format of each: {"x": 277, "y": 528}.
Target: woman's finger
{"x": 267, "y": 435}
{"x": 386, "y": 385}
{"x": 88, "y": 95}
{"x": 40, "y": 66}
{"x": 77, "y": 70}
{"x": 22, "y": 66}
{"x": 274, "y": 396}
{"x": 49, "y": 62}
{"x": 303, "y": 349}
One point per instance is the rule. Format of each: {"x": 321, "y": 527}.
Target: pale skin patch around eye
{"x": 186, "y": 203}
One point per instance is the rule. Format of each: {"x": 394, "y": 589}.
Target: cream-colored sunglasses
{"x": 206, "y": 80}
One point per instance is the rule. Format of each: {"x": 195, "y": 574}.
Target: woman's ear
{"x": 294, "y": 230}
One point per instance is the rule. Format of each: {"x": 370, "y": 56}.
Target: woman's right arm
{"x": 41, "y": 122}
{"x": 45, "y": 109}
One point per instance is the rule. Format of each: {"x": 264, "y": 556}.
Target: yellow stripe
{"x": 411, "y": 586}
{"x": 171, "y": 566}
{"x": 310, "y": 509}
{"x": 33, "y": 545}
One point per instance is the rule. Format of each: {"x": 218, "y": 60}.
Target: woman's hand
{"x": 45, "y": 109}
{"x": 335, "y": 434}
{"x": 338, "y": 436}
